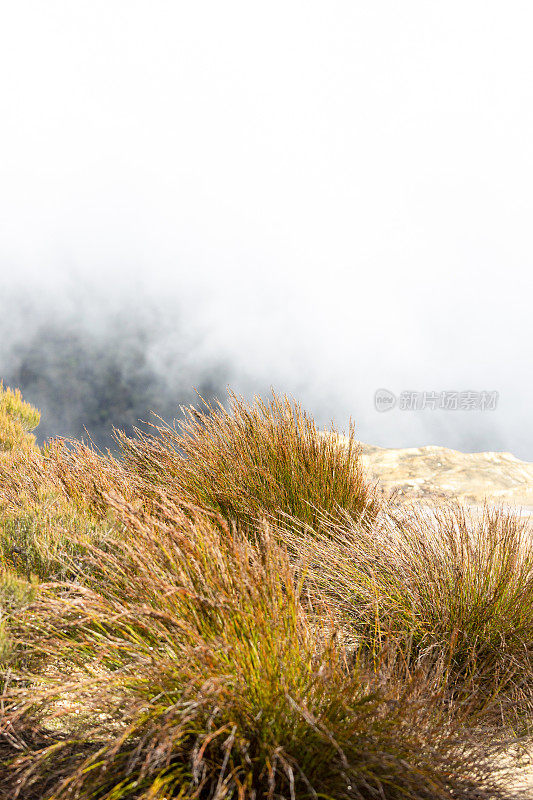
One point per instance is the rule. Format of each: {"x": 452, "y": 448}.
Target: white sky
{"x": 341, "y": 191}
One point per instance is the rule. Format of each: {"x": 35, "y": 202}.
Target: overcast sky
{"x": 338, "y": 193}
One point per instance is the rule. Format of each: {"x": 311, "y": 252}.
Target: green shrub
{"x": 46, "y": 508}
{"x": 17, "y": 420}
{"x": 15, "y": 593}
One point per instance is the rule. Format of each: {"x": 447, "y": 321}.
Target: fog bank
{"x": 328, "y": 200}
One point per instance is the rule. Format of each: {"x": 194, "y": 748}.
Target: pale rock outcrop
{"x": 435, "y": 472}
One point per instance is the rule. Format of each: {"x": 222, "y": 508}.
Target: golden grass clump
{"x": 447, "y": 580}
{"x": 251, "y": 461}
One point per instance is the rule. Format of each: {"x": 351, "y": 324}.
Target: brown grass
{"x": 228, "y": 611}
{"x": 197, "y": 672}
{"x": 446, "y": 580}
{"x": 254, "y": 460}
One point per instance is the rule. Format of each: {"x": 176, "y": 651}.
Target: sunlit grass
{"x": 228, "y": 611}
{"x": 211, "y": 680}
{"x": 254, "y": 460}
{"x": 17, "y": 420}
{"x": 448, "y": 581}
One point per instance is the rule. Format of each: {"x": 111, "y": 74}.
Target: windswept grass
{"x": 254, "y": 460}
{"x": 199, "y": 674}
{"x": 228, "y": 612}
{"x": 446, "y": 580}
{"x": 41, "y": 523}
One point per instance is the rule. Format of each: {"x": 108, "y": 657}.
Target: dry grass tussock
{"x": 228, "y": 611}
{"x": 249, "y": 462}
{"x": 449, "y": 583}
